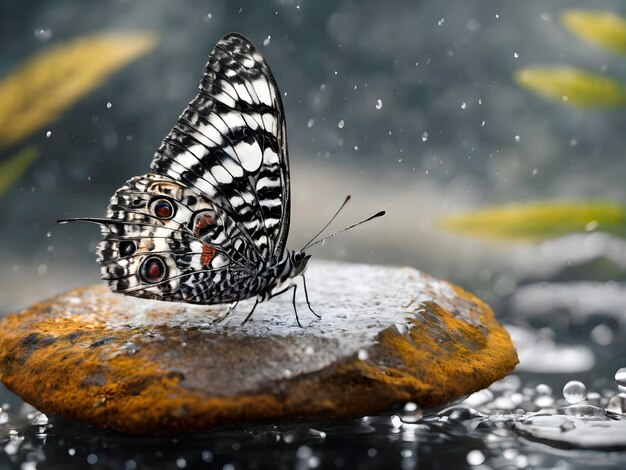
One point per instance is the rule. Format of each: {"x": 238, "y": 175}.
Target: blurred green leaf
{"x": 537, "y": 222}
{"x": 15, "y": 166}
{"x": 43, "y": 86}
{"x": 572, "y": 86}
{"x": 603, "y": 28}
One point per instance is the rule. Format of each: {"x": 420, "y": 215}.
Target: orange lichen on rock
{"x": 147, "y": 367}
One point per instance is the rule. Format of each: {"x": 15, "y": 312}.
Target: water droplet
{"x": 535, "y": 171}
{"x": 48, "y": 134}
{"x": 406, "y": 453}
{"x": 363, "y": 355}
{"x": 207, "y": 456}
{"x": 574, "y": 391}
{"x": 411, "y": 413}
{"x": 309, "y": 350}
{"x": 515, "y": 55}
{"x": 304, "y": 452}
{"x": 591, "y": 226}
{"x": 266, "y": 41}
{"x": 475, "y": 457}
{"x": 371, "y": 452}
{"x": 71, "y": 451}
{"x": 48, "y": 234}
{"x": 441, "y": 21}
{"x": 92, "y": 459}
{"x": 287, "y": 373}
{"x": 310, "y": 123}
{"x": 181, "y": 462}
{"x": 517, "y": 138}
{"x": 424, "y": 136}
{"x": 396, "y": 422}
{"x": 43, "y": 34}
{"x": 209, "y": 16}
{"x": 617, "y": 403}
{"x": 620, "y": 379}
{"x": 482, "y": 124}
{"x": 379, "y": 104}
{"x": 340, "y": 124}
{"x": 463, "y": 105}
{"x": 109, "y": 105}
{"x": 314, "y": 461}
{"x": 543, "y": 389}
{"x": 544, "y": 401}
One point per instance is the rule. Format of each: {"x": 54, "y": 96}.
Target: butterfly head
{"x": 299, "y": 261}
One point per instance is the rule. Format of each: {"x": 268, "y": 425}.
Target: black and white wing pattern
{"x": 214, "y": 211}
{"x": 230, "y": 144}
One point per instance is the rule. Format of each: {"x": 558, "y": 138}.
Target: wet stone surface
{"x": 387, "y": 336}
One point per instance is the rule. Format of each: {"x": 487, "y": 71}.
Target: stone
{"x": 386, "y": 336}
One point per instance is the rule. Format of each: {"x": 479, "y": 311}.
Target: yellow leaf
{"x": 572, "y": 86}
{"x": 603, "y": 28}
{"x": 540, "y": 221}
{"x": 43, "y": 86}
{"x": 15, "y": 166}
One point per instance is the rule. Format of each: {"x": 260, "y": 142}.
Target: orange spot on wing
{"x": 208, "y": 253}
{"x": 202, "y": 223}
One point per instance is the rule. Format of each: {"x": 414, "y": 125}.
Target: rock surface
{"x": 386, "y": 336}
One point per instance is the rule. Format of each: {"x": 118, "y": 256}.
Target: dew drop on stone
{"x": 475, "y": 457}
{"x": 48, "y": 134}
{"x": 379, "y": 104}
{"x": 617, "y": 403}
{"x": 620, "y": 379}
{"x": 574, "y": 391}
{"x": 43, "y": 34}
{"x": 109, "y": 104}
{"x": 424, "y": 136}
{"x": 340, "y": 124}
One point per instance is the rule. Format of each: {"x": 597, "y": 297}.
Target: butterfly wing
{"x": 162, "y": 240}
{"x": 230, "y": 145}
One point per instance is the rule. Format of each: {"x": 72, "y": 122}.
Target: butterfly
{"x": 209, "y": 223}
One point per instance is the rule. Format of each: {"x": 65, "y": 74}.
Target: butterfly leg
{"x": 295, "y": 309}
{"x": 250, "y": 314}
{"x": 306, "y": 296}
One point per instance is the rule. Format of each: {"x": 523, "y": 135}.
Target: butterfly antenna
{"x": 329, "y": 222}
{"x": 93, "y": 220}
{"x": 378, "y": 214}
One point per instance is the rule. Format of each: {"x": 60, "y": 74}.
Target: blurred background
{"x": 492, "y": 133}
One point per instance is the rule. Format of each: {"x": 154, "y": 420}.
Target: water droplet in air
{"x": 181, "y": 462}
{"x": 340, "y": 124}
{"x": 464, "y": 105}
{"x": 620, "y": 379}
{"x": 379, "y": 104}
{"x": 43, "y": 34}
{"x": 441, "y": 21}
{"x": 515, "y": 55}
{"x": 49, "y": 234}
{"x": 424, "y": 136}
{"x": 574, "y": 391}
{"x": 362, "y": 355}
{"x": 266, "y": 41}
{"x": 517, "y": 138}
{"x": 310, "y": 123}
{"x": 92, "y": 459}
{"x": 535, "y": 171}
{"x": 207, "y": 456}
{"x": 109, "y": 105}
{"x": 475, "y": 457}
{"x": 71, "y": 451}
{"x": 48, "y": 134}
